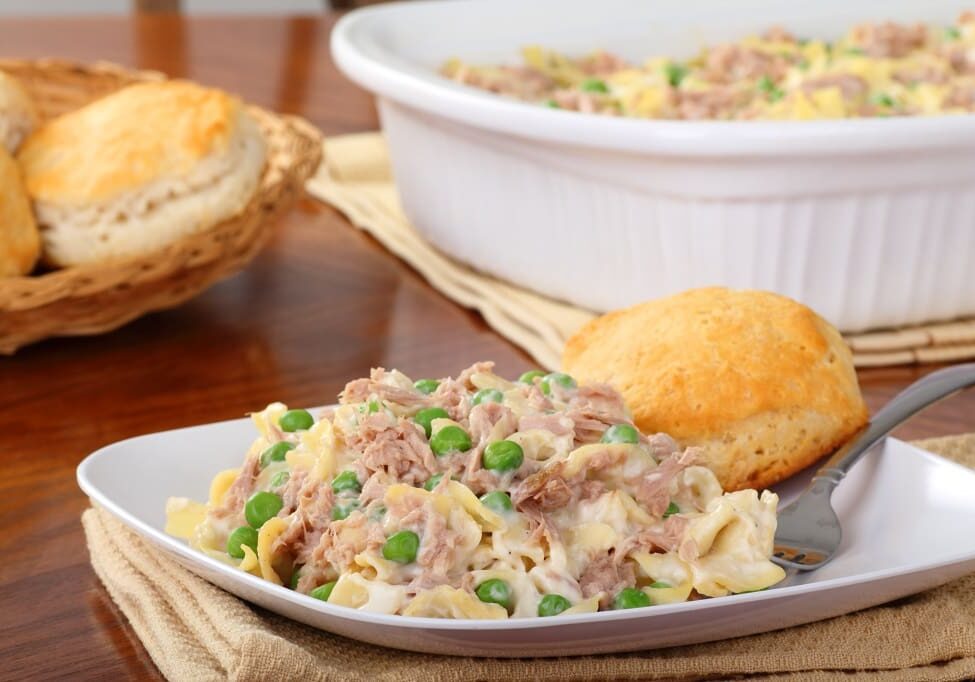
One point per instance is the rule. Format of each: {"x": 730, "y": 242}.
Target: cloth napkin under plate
{"x": 196, "y": 631}
{"x": 355, "y": 178}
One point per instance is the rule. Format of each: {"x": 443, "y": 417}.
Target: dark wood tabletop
{"x": 321, "y": 305}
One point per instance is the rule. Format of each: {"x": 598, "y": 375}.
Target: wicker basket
{"x": 97, "y": 298}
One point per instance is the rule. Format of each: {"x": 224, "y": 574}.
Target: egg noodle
{"x": 873, "y": 70}
{"x": 479, "y": 497}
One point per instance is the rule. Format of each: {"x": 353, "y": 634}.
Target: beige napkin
{"x": 195, "y": 631}
{"x": 355, "y": 178}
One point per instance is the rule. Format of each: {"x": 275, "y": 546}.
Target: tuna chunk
{"x": 606, "y": 576}
{"x": 716, "y": 103}
{"x": 666, "y": 538}
{"x": 654, "y": 490}
{"x": 851, "y": 86}
{"x": 383, "y": 385}
{"x": 311, "y": 520}
{"x": 242, "y": 487}
{"x": 730, "y": 63}
{"x": 399, "y": 449}
{"x": 889, "y": 39}
{"x": 593, "y": 409}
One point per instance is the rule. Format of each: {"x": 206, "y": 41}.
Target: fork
{"x": 809, "y": 531}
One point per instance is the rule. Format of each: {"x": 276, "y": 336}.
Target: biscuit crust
{"x": 20, "y": 243}
{"x": 141, "y": 134}
{"x": 18, "y": 114}
{"x": 761, "y": 383}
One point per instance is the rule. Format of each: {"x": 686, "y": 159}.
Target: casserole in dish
{"x": 869, "y": 221}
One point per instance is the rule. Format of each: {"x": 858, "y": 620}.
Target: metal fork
{"x": 808, "y": 531}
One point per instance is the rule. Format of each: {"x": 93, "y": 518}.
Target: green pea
{"x": 401, "y": 547}
{"x": 276, "y": 453}
{"x": 620, "y": 433}
{"x": 240, "y": 537}
{"x": 552, "y": 104}
{"x": 631, "y": 598}
{"x": 490, "y": 395}
{"x": 433, "y": 482}
{"x": 426, "y": 416}
{"x": 279, "y": 479}
{"x": 563, "y": 380}
{"x": 594, "y": 85}
{"x": 660, "y": 585}
{"x": 952, "y": 33}
{"x": 768, "y": 86}
{"x": 450, "y": 439}
{"x": 530, "y": 376}
{"x": 497, "y": 501}
{"x": 347, "y": 480}
{"x": 883, "y": 100}
{"x": 296, "y": 420}
{"x": 323, "y": 592}
{"x": 672, "y": 509}
{"x": 426, "y": 386}
{"x": 295, "y": 577}
{"x": 342, "y": 511}
{"x": 856, "y": 51}
{"x": 262, "y": 506}
{"x": 675, "y": 73}
{"x": 552, "y": 605}
{"x": 502, "y": 455}
{"x": 494, "y": 591}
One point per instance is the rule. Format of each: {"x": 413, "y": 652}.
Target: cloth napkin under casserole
{"x": 195, "y": 631}
{"x": 355, "y": 178}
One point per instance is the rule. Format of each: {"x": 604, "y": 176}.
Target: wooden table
{"x": 322, "y": 304}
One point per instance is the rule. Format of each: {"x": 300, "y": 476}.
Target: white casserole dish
{"x": 871, "y": 221}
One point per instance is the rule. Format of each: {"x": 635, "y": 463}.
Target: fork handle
{"x": 923, "y": 392}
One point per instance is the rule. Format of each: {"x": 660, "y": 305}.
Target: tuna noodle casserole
{"x": 478, "y": 497}
{"x": 874, "y": 70}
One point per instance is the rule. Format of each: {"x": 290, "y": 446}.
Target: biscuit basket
{"x": 92, "y": 299}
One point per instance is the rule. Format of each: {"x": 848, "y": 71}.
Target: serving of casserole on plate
{"x": 504, "y": 561}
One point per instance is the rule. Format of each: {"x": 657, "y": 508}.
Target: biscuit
{"x": 18, "y": 115}
{"x": 761, "y": 383}
{"x": 138, "y": 169}
{"x": 20, "y": 244}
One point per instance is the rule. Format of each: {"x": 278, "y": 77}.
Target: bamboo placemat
{"x": 355, "y": 178}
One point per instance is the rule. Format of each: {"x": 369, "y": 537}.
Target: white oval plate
{"x": 908, "y": 518}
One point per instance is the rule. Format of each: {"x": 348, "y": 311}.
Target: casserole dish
{"x": 869, "y": 221}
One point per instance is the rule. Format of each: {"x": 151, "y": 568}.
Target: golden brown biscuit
{"x": 136, "y": 170}
{"x": 20, "y": 244}
{"x": 761, "y": 383}
{"x": 18, "y": 114}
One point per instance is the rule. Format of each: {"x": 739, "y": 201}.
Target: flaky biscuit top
{"x": 120, "y": 143}
{"x": 728, "y": 354}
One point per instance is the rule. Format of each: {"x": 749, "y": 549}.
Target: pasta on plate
{"x": 479, "y": 497}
